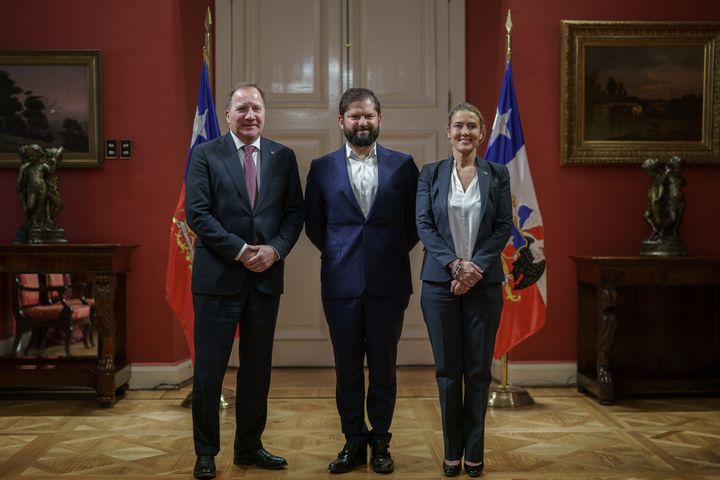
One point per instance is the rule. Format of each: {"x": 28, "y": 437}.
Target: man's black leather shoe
{"x": 260, "y": 458}
{"x": 451, "y": 470}
{"x": 204, "y": 467}
{"x": 474, "y": 470}
{"x": 350, "y": 456}
{"x": 380, "y": 459}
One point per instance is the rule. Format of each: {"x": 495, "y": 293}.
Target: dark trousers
{"x": 216, "y": 317}
{"x": 361, "y": 326}
{"x": 462, "y": 332}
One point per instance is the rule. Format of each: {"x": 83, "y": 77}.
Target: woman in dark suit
{"x": 464, "y": 219}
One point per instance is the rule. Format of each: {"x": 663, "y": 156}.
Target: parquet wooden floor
{"x": 565, "y": 436}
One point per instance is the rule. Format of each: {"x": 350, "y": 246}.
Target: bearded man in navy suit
{"x": 244, "y": 202}
{"x": 360, "y": 214}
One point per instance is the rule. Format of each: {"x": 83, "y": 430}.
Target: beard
{"x": 354, "y": 138}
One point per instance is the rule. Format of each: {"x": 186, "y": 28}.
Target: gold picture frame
{"x": 51, "y": 98}
{"x": 637, "y": 90}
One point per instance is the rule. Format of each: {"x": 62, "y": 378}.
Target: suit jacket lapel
{"x": 484, "y": 178}
{"x": 384, "y": 165}
{"x": 267, "y": 157}
{"x": 229, "y": 155}
{"x": 439, "y": 192}
{"x": 341, "y": 173}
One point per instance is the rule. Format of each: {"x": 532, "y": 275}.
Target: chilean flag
{"x": 182, "y": 239}
{"x": 523, "y": 259}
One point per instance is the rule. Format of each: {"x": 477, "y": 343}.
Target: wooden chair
{"x": 74, "y": 294}
{"x": 38, "y": 306}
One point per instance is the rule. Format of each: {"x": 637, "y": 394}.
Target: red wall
{"x": 593, "y": 211}
{"x": 151, "y": 58}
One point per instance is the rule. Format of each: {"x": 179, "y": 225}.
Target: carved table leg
{"x": 607, "y": 326}
{"x": 104, "y": 292}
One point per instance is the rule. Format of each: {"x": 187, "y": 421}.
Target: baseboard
{"x": 521, "y": 374}
{"x": 160, "y": 375}
{"x": 538, "y": 374}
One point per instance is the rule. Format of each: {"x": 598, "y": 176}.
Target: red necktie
{"x": 250, "y": 174}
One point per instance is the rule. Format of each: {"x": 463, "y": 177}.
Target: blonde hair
{"x": 467, "y": 107}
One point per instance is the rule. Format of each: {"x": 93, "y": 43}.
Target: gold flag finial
{"x": 208, "y": 36}
{"x": 508, "y": 28}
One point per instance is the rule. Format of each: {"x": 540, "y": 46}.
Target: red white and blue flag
{"x": 182, "y": 239}
{"x": 523, "y": 259}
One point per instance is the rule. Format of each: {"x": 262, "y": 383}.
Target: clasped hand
{"x": 258, "y": 258}
{"x": 467, "y": 276}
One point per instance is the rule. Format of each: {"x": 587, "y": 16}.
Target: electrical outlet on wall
{"x": 125, "y": 149}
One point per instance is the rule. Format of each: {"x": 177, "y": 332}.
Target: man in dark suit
{"x": 244, "y": 202}
{"x": 360, "y": 207}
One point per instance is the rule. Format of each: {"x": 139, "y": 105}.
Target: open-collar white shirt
{"x": 363, "y": 173}
{"x": 464, "y": 214}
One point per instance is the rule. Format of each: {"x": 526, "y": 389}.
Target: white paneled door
{"x": 304, "y": 54}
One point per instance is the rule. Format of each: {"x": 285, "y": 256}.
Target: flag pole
{"x": 207, "y": 52}
{"x": 504, "y": 395}
{"x": 227, "y": 396}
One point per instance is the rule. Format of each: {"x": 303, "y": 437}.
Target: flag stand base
{"x": 227, "y": 399}
{"x": 509, "y": 397}
{"x": 506, "y": 396}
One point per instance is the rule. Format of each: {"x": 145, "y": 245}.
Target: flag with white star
{"x": 182, "y": 239}
{"x": 523, "y": 259}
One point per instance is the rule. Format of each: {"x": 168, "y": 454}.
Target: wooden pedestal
{"x": 108, "y": 264}
{"x": 648, "y": 325}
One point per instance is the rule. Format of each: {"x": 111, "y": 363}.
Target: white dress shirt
{"x": 256, "y": 155}
{"x": 463, "y": 214}
{"x": 256, "y": 159}
{"x": 363, "y": 173}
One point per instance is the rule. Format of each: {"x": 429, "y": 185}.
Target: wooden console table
{"x": 108, "y": 264}
{"x": 648, "y": 325}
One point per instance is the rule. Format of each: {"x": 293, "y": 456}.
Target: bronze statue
{"x": 666, "y": 205}
{"x": 37, "y": 189}
{"x": 656, "y": 197}
{"x": 54, "y": 202}
{"x": 675, "y": 196}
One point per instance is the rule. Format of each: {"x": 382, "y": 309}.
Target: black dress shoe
{"x": 350, "y": 456}
{"x": 451, "y": 470}
{"x": 380, "y": 459}
{"x": 474, "y": 470}
{"x": 204, "y": 467}
{"x": 260, "y": 458}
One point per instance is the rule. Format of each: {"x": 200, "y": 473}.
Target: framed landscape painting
{"x": 51, "y": 98}
{"x": 637, "y": 90}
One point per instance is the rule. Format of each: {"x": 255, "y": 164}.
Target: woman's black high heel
{"x": 451, "y": 470}
{"x": 474, "y": 470}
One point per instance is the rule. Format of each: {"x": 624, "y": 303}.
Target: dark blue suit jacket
{"x": 434, "y": 227}
{"x": 361, "y": 254}
{"x": 218, "y": 211}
